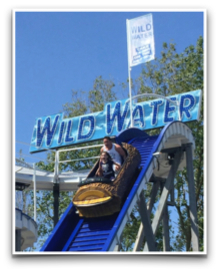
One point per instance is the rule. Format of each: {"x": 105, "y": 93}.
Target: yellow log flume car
{"x": 98, "y": 196}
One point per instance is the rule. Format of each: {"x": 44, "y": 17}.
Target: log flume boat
{"x": 99, "y": 196}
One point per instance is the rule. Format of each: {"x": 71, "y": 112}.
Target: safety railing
{"x": 20, "y": 161}
{"x": 58, "y": 152}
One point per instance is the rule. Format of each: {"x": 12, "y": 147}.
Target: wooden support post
{"x": 192, "y": 199}
{"x": 150, "y": 240}
{"x": 166, "y": 189}
{"x": 140, "y": 235}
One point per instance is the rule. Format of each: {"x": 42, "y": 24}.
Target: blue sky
{"x": 57, "y": 52}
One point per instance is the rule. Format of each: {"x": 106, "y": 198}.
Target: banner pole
{"x": 130, "y": 96}
{"x": 129, "y": 74}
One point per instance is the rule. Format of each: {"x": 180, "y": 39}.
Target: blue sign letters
{"x": 54, "y": 131}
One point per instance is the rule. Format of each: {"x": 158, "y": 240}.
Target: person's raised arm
{"x": 120, "y": 150}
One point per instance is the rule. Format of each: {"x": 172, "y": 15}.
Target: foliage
{"x": 130, "y": 232}
{"x": 172, "y": 74}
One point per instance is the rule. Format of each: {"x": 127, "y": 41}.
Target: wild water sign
{"x": 54, "y": 131}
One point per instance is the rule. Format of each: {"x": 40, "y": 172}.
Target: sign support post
{"x": 129, "y": 73}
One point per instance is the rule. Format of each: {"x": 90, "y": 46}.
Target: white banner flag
{"x": 140, "y": 39}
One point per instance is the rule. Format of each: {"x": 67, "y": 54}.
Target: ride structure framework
{"x": 161, "y": 157}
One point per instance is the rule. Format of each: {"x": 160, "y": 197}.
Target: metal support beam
{"x": 117, "y": 247}
{"x": 166, "y": 235}
{"x": 165, "y": 221}
{"x": 162, "y": 210}
{"x": 150, "y": 240}
{"x": 171, "y": 202}
{"x": 56, "y": 193}
{"x": 34, "y": 190}
{"x": 166, "y": 190}
{"x": 140, "y": 235}
{"x": 56, "y": 190}
{"x": 17, "y": 240}
{"x": 139, "y": 239}
{"x": 152, "y": 199}
{"x": 192, "y": 199}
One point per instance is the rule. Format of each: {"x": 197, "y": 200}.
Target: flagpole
{"x": 129, "y": 73}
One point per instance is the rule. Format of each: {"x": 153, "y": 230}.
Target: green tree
{"x": 171, "y": 74}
